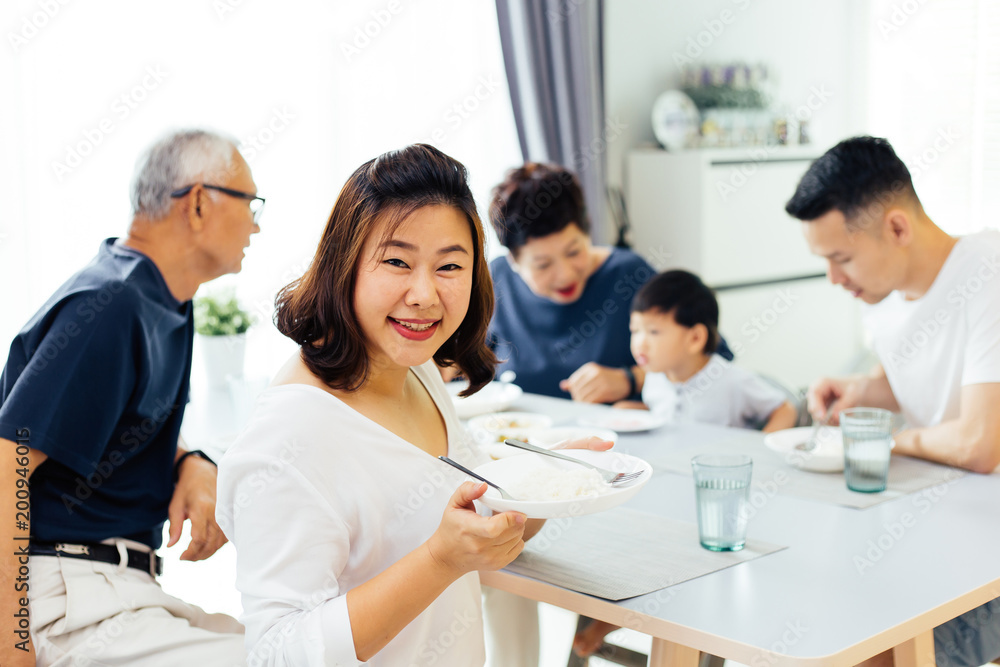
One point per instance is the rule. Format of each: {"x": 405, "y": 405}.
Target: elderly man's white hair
{"x": 177, "y": 160}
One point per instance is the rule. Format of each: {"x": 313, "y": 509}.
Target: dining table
{"x": 844, "y": 582}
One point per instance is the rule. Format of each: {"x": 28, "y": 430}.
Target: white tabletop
{"x": 851, "y": 583}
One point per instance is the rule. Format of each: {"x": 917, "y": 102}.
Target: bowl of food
{"x": 548, "y": 488}
{"x": 491, "y": 430}
{"x": 790, "y": 443}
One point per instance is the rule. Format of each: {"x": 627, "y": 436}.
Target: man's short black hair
{"x": 683, "y": 295}
{"x": 536, "y": 200}
{"x": 851, "y": 177}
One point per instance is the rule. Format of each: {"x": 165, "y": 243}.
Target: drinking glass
{"x": 722, "y": 491}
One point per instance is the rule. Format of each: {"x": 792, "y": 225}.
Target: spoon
{"x": 503, "y": 494}
{"x": 811, "y": 443}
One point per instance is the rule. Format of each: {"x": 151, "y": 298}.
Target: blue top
{"x": 98, "y": 381}
{"x": 544, "y": 341}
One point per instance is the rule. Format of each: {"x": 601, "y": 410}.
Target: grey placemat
{"x": 622, "y": 553}
{"x": 906, "y": 475}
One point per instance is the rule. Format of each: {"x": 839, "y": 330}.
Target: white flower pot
{"x": 222, "y": 357}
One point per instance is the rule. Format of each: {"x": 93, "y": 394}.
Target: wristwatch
{"x": 630, "y": 374}
{"x": 194, "y": 452}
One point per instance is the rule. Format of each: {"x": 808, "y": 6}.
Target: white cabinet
{"x": 721, "y": 214}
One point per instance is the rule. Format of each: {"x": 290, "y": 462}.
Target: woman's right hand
{"x": 466, "y": 541}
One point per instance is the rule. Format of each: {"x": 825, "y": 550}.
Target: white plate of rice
{"x": 828, "y": 456}
{"x": 548, "y": 488}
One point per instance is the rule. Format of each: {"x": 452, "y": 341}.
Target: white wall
{"x": 806, "y": 45}
{"x": 816, "y": 54}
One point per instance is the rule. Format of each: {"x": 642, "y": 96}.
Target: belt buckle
{"x": 74, "y": 549}
{"x": 155, "y": 565}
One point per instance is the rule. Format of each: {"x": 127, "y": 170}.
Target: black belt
{"x": 105, "y": 553}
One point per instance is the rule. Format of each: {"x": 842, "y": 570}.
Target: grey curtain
{"x": 553, "y": 55}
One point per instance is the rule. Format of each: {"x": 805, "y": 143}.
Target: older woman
{"x": 562, "y": 312}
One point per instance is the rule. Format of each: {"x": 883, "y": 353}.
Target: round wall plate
{"x": 675, "y": 121}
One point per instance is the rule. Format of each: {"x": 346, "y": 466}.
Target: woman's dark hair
{"x": 536, "y": 200}
{"x": 851, "y": 177}
{"x": 683, "y": 295}
{"x": 317, "y": 310}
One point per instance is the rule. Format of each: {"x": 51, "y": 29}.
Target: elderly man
{"x": 933, "y": 311}
{"x": 91, "y": 401}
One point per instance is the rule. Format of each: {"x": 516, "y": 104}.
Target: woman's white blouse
{"x": 319, "y": 499}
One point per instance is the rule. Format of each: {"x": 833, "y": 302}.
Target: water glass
{"x": 867, "y": 445}
{"x": 722, "y": 491}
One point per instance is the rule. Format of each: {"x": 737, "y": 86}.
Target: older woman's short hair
{"x": 536, "y": 200}
{"x": 179, "y": 159}
{"x": 317, "y": 310}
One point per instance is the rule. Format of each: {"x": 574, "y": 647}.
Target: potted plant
{"x": 221, "y": 325}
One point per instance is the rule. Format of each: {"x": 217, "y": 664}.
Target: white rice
{"x": 552, "y": 484}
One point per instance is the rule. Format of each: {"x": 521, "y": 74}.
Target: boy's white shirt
{"x": 721, "y": 393}
{"x": 950, "y": 338}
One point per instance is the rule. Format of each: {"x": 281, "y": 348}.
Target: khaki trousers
{"x": 91, "y": 614}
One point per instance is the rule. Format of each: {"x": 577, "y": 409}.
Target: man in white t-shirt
{"x": 933, "y": 311}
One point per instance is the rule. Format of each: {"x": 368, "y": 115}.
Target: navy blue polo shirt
{"x": 98, "y": 380}
{"x": 544, "y": 341}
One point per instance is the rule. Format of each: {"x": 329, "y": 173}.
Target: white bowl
{"x": 507, "y": 472}
{"x": 494, "y": 397}
{"x": 828, "y": 456}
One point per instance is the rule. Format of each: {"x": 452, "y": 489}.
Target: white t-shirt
{"x": 720, "y": 393}
{"x": 933, "y": 346}
{"x": 319, "y": 499}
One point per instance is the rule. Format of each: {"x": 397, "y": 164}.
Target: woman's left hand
{"x": 593, "y": 442}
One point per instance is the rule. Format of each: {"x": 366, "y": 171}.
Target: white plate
{"x": 827, "y": 457}
{"x": 494, "y": 397}
{"x": 507, "y": 471}
{"x": 624, "y": 421}
{"x": 548, "y": 438}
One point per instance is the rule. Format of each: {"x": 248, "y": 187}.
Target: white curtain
{"x": 934, "y": 92}
{"x": 313, "y": 89}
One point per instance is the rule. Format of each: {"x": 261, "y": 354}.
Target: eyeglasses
{"x": 256, "y": 203}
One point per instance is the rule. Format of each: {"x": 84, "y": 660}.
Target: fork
{"x": 608, "y": 476}
{"x": 503, "y": 494}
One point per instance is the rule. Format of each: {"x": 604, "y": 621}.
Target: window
{"x": 312, "y": 89}
{"x": 935, "y": 94}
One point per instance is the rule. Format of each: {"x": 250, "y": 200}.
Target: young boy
{"x": 674, "y": 325}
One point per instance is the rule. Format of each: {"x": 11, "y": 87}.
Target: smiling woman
{"x": 376, "y": 247}
{"x": 337, "y": 564}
